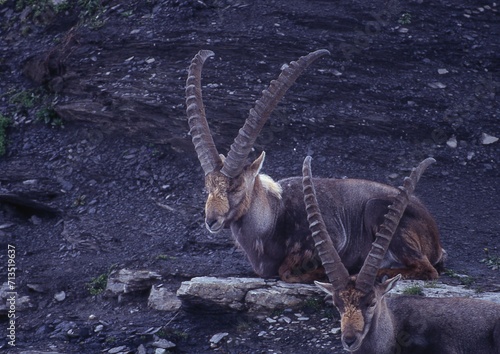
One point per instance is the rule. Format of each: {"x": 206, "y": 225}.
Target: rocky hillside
{"x": 98, "y": 177}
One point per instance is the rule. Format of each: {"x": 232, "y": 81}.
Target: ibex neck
{"x": 255, "y": 231}
{"x": 380, "y": 337}
{"x": 264, "y": 208}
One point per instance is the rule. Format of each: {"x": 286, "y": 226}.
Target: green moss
{"x": 414, "y": 290}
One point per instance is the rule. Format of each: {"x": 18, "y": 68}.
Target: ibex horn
{"x": 199, "y": 130}
{"x": 243, "y": 143}
{"x": 334, "y": 268}
{"x": 368, "y": 273}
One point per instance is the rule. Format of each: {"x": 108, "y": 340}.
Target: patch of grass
{"x": 165, "y": 257}
{"x": 92, "y": 10}
{"x": 44, "y": 11}
{"x": 313, "y": 303}
{"x": 111, "y": 340}
{"x": 98, "y": 284}
{"x": 405, "y": 18}
{"x": 465, "y": 280}
{"x": 4, "y": 123}
{"x": 38, "y": 7}
{"x": 41, "y": 10}
{"x": 162, "y": 333}
{"x": 491, "y": 261}
{"x": 90, "y": 7}
{"x": 35, "y": 101}
{"x": 414, "y": 290}
{"x": 451, "y": 273}
{"x": 49, "y": 116}
{"x": 80, "y": 200}
{"x": 23, "y": 99}
{"x": 432, "y": 284}
{"x": 154, "y": 150}
{"x": 181, "y": 334}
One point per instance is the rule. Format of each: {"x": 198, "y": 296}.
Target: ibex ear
{"x": 257, "y": 164}
{"x": 326, "y": 287}
{"x": 222, "y": 158}
{"x": 389, "y": 284}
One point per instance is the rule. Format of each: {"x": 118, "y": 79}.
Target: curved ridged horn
{"x": 199, "y": 130}
{"x": 334, "y": 268}
{"x": 243, "y": 143}
{"x": 368, "y": 273}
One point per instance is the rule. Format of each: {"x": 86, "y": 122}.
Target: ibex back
{"x": 374, "y": 324}
{"x": 268, "y": 218}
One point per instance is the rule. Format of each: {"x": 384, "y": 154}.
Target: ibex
{"x": 374, "y": 323}
{"x": 268, "y": 219}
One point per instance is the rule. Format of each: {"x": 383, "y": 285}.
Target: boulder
{"x": 126, "y": 281}
{"x": 242, "y": 294}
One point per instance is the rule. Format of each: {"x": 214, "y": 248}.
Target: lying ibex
{"x": 372, "y": 323}
{"x": 268, "y": 218}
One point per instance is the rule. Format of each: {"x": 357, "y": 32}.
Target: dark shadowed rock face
{"x": 128, "y": 75}
{"x": 406, "y": 80}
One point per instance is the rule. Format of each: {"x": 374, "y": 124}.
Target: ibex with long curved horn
{"x": 268, "y": 218}
{"x": 372, "y": 323}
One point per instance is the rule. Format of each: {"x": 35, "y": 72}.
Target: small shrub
{"x": 44, "y": 11}
{"x": 465, "y": 280}
{"x": 491, "y": 261}
{"x": 405, "y": 18}
{"x": 23, "y": 99}
{"x": 98, "y": 284}
{"x": 90, "y": 7}
{"x": 414, "y": 290}
{"x": 80, "y": 200}
{"x": 40, "y": 6}
{"x": 49, "y": 116}
{"x": 92, "y": 10}
{"x": 451, "y": 273}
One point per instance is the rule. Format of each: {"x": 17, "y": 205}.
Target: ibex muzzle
{"x": 268, "y": 219}
{"x": 217, "y": 208}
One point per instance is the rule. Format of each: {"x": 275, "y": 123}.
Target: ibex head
{"x": 358, "y": 298}
{"x": 357, "y": 308}
{"x": 229, "y": 181}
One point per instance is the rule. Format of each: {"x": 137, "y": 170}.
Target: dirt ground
{"x": 406, "y": 80}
